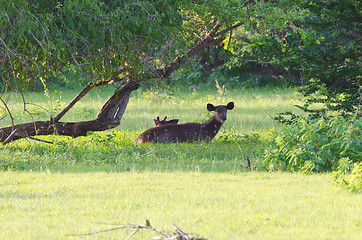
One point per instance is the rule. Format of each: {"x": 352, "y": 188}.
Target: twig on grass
{"x": 178, "y": 235}
{"x": 180, "y": 232}
{"x": 249, "y": 163}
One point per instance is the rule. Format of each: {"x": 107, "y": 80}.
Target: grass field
{"x": 102, "y": 181}
{"x": 214, "y": 205}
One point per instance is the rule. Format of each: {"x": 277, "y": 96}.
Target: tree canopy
{"x": 106, "y": 40}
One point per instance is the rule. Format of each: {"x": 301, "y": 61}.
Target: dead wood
{"x": 178, "y": 235}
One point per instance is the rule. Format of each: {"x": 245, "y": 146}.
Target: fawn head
{"x": 159, "y": 122}
{"x": 220, "y": 111}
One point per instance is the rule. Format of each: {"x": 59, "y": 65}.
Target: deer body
{"x": 187, "y": 132}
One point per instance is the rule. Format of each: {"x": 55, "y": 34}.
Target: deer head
{"x": 220, "y": 111}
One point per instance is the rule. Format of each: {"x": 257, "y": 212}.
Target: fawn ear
{"x": 157, "y": 122}
{"x": 230, "y": 106}
{"x": 173, "y": 121}
{"x": 210, "y": 107}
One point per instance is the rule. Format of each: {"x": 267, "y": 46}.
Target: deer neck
{"x": 211, "y": 128}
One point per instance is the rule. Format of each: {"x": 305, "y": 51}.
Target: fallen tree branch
{"x": 73, "y": 129}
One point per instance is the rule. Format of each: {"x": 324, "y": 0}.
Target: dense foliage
{"x": 316, "y": 145}
{"x": 318, "y": 39}
{"x": 101, "y": 39}
{"x": 327, "y": 144}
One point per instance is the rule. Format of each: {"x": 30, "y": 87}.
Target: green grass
{"x": 214, "y": 205}
{"x": 244, "y": 134}
{"x": 75, "y": 186}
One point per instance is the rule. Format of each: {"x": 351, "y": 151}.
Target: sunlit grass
{"x": 214, "y": 205}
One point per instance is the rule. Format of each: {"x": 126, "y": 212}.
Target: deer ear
{"x": 230, "y": 106}
{"x": 210, "y": 107}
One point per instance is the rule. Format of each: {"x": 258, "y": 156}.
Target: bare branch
{"x": 210, "y": 39}
{"x": 8, "y": 110}
{"x": 87, "y": 88}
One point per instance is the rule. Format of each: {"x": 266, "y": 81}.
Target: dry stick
{"x": 151, "y": 228}
{"x": 249, "y": 166}
{"x": 10, "y": 137}
{"x": 133, "y": 233}
{"x": 180, "y": 232}
{"x": 249, "y": 163}
{"x": 97, "y": 232}
{"x": 157, "y": 230}
{"x": 123, "y": 227}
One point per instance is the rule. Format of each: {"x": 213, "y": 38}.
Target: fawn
{"x": 159, "y": 122}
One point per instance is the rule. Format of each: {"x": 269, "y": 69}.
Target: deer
{"x": 159, "y": 122}
{"x": 187, "y": 132}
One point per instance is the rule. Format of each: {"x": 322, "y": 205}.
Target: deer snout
{"x": 222, "y": 118}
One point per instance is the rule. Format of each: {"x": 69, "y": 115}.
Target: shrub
{"x": 348, "y": 175}
{"x": 315, "y": 145}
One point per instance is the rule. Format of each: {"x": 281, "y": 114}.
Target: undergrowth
{"x": 329, "y": 144}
